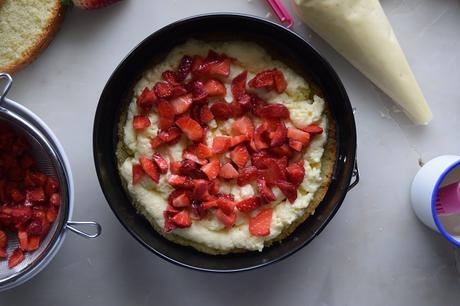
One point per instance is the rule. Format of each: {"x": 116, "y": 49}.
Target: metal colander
{"x": 51, "y": 160}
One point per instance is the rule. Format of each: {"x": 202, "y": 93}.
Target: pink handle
{"x": 281, "y": 12}
{"x": 449, "y": 198}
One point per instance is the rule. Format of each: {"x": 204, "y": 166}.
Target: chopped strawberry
{"x": 197, "y": 65}
{"x": 34, "y": 243}
{"x": 15, "y": 258}
{"x": 243, "y": 126}
{"x": 170, "y": 135}
{"x": 51, "y": 214}
{"x": 191, "y": 128}
{"x": 249, "y": 204}
{"x": 245, "y": 101}
{"x": 146, "y": 100}
{"x": 221, "y": 110}
{"x": 228, "y": 171}
{"x": 168, "y": 214}
{"x": 221, "y": 144}
{"x": 178, "y": 91}
{"x": 92, "y": 4}
{"x": 201, "y": 151}
{"x": 205, "y": 114}
{"x": 215, "y": 88}
{"x": 272, "y": 171}
{"x": 191, "y": 156}
{"x": 247, "y": 175}
{"x": 237, "y": 109}
{"x": 273, "y": 111}
{"x": 182, "y": 219}
{"x": 210, "y": 204}
{"x": 184, "y": 68}
{"x": 313, "y": 129}
{"x": 199, "y": 93}
{"x": 27, "y": 161}
{"x": 3, "y": 240}
{"x": 298, "y": 135}
{"x": 236, "y": 140}
{"x": 161, "y": 162}
{"x": 170, "y": 77}
{"x": 23, "y": 240}
{"x": 190, "y": 168}
{"x": 200, "y": 189}
{"x": 179, "y": 181}
{"x": 51, "y": 186}
{"x": 35, "y": 195}
{"x": 141, "y": 122}
{"x": 165, "y": 113}
{"x": 280, "y": 81}
{"x": 55, "y": 199}
{"x": 174, "y": 166}
{"x": 181, "y": 104}
{"x": 265, "y": 192}
{"x": 17, "y": 196}
{"x": 35, "y": 227}
{"x": 239, "y": 85}
{"x": 260, "y": 224}
{"x": 3, "y": 253}
{"x": 181, "y": 200}
{"x": 150, "y": 168}
{"x": 259, "y": 141}
{"x": 295, "y": 173}
{"x": 226, "y": 219}
{"x": 295, "y": 144}
{"x": 283, "y": 150}
{"x": 39, "y": 179}
{"x": 263, "y": 79}
{"x": 240, "y": 156}
{"x": 211, "y": 169}
{"x": 278, "y": 137}
{"x": 219, "y": 68}
{"x": 138, "y": 173}
{"x": 163, "y": 89}
{"x": 288, "y": 189}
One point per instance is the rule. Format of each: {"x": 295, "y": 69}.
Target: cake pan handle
{"x": 354, "y": 176}
{"x": 6, "y": 87}
{"x": 73, "y": 226}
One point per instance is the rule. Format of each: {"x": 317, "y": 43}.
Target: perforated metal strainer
{"x": 52, "y": 161}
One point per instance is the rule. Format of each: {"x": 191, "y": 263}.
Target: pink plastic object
{"x": 448, "y": 199}
{"x": 281, "y": 12}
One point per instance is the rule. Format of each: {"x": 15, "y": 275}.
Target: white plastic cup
{"x": 424, "y": 190}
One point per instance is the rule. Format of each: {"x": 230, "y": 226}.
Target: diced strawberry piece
{"x": 295, "y": 144}
{"x": 182, "y": 219}
{"x": 298, "y": 135}
{"x": 214, "y": 185}
{"x": 228, "y": 171}
{"x": 219, "y": 68}
{"x": 39, "y": 179}
{"x": 280, "y": 81}
{"x": 237, "y": 109}
{"x": 200, "y": 189}
{"x": 171, "y": 135}
{"x": 141, "y": 122}
{"x": 263, "y": 79}
{"x": 156, "y": 142}
{"x": 170, "y": 77}
{"x": 179, "y": 181}
{"x": 163, "y": 89}
{"x": 191, "y": 128}
{"x": 52, "y": 186}
{"x": 283, "y": 150}
{"x": 3, "y": 253}
{"x": 273, "y": 111}
{"x": 199, "y": 93}
{"x": 150, "y": 168}
{"x": 245, "y": 102}
{"x": 313, "y": 129}
{"x": 243, "y": 126}
{"x": 55, "y": 199}
{"x": 34, "y": 243}
{"x": 288, "y": 189}
{"x": 260, "y": 224}
{"x": 178, "y": 91}
{"x": 138, "y": 173}
{"x": 258, "y": 159}
{"x": 226, "y": 219}
{"x": 189, "y": 168}
{"x": 247, "y": 175}
{"x": 191, "y": 156}
{"x": 16, "y": 258}
{"x": 197, "y": 65}
{"x": 51, "y": 214}
{"x": 27, "y": 161}
{"x": 35, "y": 195}
{"x": 272, "y": 172}
{"x": 226, "y": 205}
{"x": 165, "y": 113}
{"x": 239, "y": 85}
{"x": 184, "y": 68}
{"x": 278, "y": 137}
{"x": 181, "y": 200}
{"x": 35, "y": 227}
{"x": 295, "y": 173}
{"x": 236, "y": 140}
{"x": 259, "y": 141}
{"x": 23, "y": 240}
{"x": 240, "y": 156}
{"x": 215, "y": 88}
{"x": 146, "y": 100}
{"x": 181, "y": 104}
{"x": 161, "y": 162}
{"x": 210, "y": 204}
{"x": 168, "y": 214}
{"x": 174, "y": 166}
{"x": 205, "y": 114}
{"x": 17, "y": 196}
{"x": 265, "y": 192}
{"x": 221, "y": 144}
{"x": 221, "y": 110}
{"x": 3, "y": 240}
{"x": 249, "y": 204}
{"x": 201, "y": 151}
{"x": 211, "y": 169}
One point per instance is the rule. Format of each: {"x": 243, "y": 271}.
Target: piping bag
{"x": 361, "y": 32}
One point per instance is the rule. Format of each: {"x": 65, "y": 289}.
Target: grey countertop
{"x": 374, "y": 252}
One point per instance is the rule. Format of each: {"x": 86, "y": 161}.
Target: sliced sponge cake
{"x": 26, "y": 28}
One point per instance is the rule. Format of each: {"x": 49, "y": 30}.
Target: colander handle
{"x": 5, "y": 88}
{"x": 73, "y": 226}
